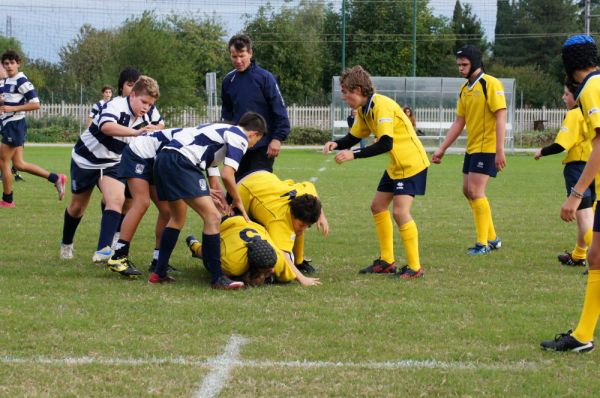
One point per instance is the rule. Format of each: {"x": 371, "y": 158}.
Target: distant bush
{"x": 535, "y": 138}
{"x": 308, "y": 136}
{"x": 52, "y": 129}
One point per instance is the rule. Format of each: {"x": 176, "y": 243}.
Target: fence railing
{"x": 314, "y": 116}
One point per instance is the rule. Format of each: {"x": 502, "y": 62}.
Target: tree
{"x": 289, "y": 44}
{"x": 467, "y": 28}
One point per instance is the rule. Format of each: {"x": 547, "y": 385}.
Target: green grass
{"x": 486, "y": 314}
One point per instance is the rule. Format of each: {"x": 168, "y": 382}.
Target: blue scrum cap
{"x": 578, "y": 39}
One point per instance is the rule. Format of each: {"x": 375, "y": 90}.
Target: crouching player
{"x": 248, "y": 253}
{"x": 404, "y": 178}
{"x": 286, "y": 209}
{"x": 137, "y": 163}
{"x": 179, "y": 177}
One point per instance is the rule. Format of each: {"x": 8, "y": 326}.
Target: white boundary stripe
{"x": 221, "y": 367}
{"x": 223, "y": 361}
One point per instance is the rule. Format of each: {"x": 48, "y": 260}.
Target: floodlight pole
{"x": 414, "y": 40}
{"x": 343, "y": 35}
{"x": 587, "y": 16}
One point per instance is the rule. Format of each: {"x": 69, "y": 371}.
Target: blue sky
{"x": 44, "y": 26}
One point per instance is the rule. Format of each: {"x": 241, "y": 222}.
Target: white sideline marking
{"x": 223, "y": 361}
{"x": 221, "y": 367}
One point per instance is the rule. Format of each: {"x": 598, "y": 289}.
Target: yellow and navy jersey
{"x": 236, "y": 233}
{"x": 478, "y": 103}
{"x": 266, "y": 199}
{"x": 573, "y": 136}
{"x": 383, "y": 116}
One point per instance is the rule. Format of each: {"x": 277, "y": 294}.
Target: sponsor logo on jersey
{"x": 385, "y": 120}
{"x": 139, "y": 168}
{"x": 593, "y": 110}
{"x": 500, "y": 93}
{"x": 565, "y": 129}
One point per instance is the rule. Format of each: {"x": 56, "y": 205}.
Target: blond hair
{"x": 357, "y": 77}
{"x": 146, "y": 85}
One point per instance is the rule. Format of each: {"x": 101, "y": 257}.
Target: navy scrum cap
{"x": 471, "y": 53}
{"x": 261, "y": 254}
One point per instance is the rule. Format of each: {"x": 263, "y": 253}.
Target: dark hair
{"x": 253, "y": 121}
{"x": 106, "y": 87}
{"x": 571, "y": 85}
{"x": 357, "y": 77}
{"x": 306, "y": 208}
{"x": 240, "y": 41}
{"x": 127, "y": 75}
{"x": 11, "y": 55}
{"x": 579, "y": 56}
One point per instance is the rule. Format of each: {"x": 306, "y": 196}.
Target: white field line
{"x": 221, "y": 366}
{"x": 399, "y": 364}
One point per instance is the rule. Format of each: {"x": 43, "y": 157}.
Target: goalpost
{"x": 433, "y": 100}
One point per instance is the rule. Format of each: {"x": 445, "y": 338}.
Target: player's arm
{"x": 28, "y": 106}
{"x": 323, "y": 224}
{"x": 216, "y": 191}
{"x": 228, "y": 177}
{"x": 303, "y": 280}
{"x": 453, "y": 133}
{"x": 500, "y": 115}
{"x": 226, "y": 104}
{"x": 592, "y": 167}
{"x": 116, "y": 130}
{"x": 551, "y": 149}
{"x": 346, "y": 142}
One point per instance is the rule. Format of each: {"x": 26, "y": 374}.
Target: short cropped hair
{"x": 146, "y": 85}
{"x": 11, "y": 55}
{"x": 357, "y": 77}
{"x": 106, "y": 87}
{"x": 253, "y": 121}
{"x": 240, "y": 41}
{"x": 128, "y": 74}
{"x": 306, "y": 208}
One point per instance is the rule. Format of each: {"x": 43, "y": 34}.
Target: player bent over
{"x": 95, "y": 160}
{"x": 574, "y": 138}
{"x": 404, "y": 178}
{"x": 286, "y": 209}
{"x": 179, "y": 177}
{"x": 248, "y": 252}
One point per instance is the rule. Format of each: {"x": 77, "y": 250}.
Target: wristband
{"x": 578, "y": 195}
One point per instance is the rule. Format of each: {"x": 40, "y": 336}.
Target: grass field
{"x": 470, "y": 327}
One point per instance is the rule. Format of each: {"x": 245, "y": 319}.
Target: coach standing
{"x": 249, "y": 87}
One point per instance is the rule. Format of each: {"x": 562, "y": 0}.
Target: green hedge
{"x": 535, "y": 138}
{"x": 52, "y": 129}
{"x": 308, "y": 136}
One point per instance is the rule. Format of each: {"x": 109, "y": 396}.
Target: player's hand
{"x": 538, "y": 154}
{"x": 437, "y": 156}
{"x": 274, "y": 148}
{"x": 329, "y": 146}
{"x": 569, "y": 209}
{"x": 500, "y": 160}
{"x": 344, "y": 156}
{"x": 237, "y": 204}
{"x": 219, "y": 200}
{"x": 306, "y": 281}
{"x": 323, "y": 225}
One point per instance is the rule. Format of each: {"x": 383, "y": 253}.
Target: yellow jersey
{"x": 588, "y": 100}
{"x": 383, "y": 116}
{"x": 478, "y": 103}
{"x": 266, "y": 199}
{"x": 235, "y": 234}
{"x": 573, "y": 136}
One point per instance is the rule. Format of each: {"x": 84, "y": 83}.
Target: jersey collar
{"x": 471, "y": 84}
{"x": 584, "y": 82}
{"x": 365, "y": 109}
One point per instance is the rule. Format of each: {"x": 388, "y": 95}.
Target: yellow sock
{"x": 410, "y": 239}
{"x": 482, "y": 215}
{"x": 591, "y": 308}
{"x": 579, "y": 253}
{"x": 587, "y": 238}
{"x": 385, "y": 235}
{"x": 298, "y": 249}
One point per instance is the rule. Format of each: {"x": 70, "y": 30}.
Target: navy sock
{"x": 122, "y": 248}
{"x": 211, "y": 255}
{"x": 167, "y": 244}
{"x": 8, "y": 198}
{"x": 69, "y": 228}
{"x": 108, "y": 227}
{"x": 52, "y": 178}
{"x": 120, "y": 222}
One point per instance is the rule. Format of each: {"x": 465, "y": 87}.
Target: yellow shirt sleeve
{"x": 568, "y": 134}
{"x": 495, "y": 95}
{"x": 282, "y": 234}
{"x": 460, "y": 107}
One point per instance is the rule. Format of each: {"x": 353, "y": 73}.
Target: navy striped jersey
{"x": 147, "y": 146}
{"x": 96, "y": 150}
{"x": 96, "y": 108}
{"x": 209, "y": 145}
{"x": 16, "y": 90}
